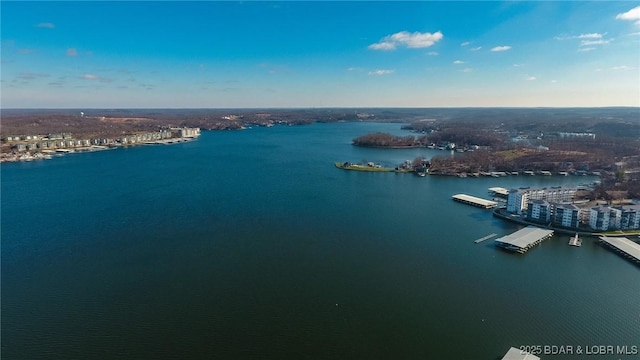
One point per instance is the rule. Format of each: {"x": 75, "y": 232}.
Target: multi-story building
{"x": 518, "y": 199}
{"x": 187, "y": 132}
{"x": 605, "y": 218}
{"x": 566, "y": 215}
{"x": 539, "y": 211}
{"x": 629, "y": 218}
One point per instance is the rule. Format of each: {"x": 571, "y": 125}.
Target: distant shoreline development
{"x": 36, "y": 147}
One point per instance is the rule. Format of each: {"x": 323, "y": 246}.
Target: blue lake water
{"x": 251, "y": 244}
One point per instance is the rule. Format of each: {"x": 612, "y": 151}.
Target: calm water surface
{"x": 251, "y": 244}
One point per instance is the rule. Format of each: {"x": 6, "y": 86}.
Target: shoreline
{"x": 51, "y": 154}
{"x": 392, "y": 147}
{"x": 371, "y": 168}
{"x": 500, "y": 213}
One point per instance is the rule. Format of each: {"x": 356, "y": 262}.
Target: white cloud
{"x": 410, "y": 40}
{"x": 432, "y": 53}
{"x": 518, "y": 65}
{"x": 581, "y": 36}
{"x": 530, "y": 78}
{"x": 384, "y": 45}
{"x": 72, "y": 52}
{"x": 475, "y": 48}
{"x": 465, "y": 43}
{"x": 623, "y": 67}
{"x": 381, "y": 72}
{"x": 457, "y": 62}
{"x": 590, "y": 36}
{"x": 467, "y": 70}
{"x": 594, "y": 42}
{"x": 587, "y": 41}
{"x": 46, "y": 25}
{"x": 631, "y": 15}
{"x": 501, "y": 48}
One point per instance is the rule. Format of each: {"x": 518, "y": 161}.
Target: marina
{"x": 623, "y": 246}
{"x": 524, "y": 239}
{"x": 474, "y": 201}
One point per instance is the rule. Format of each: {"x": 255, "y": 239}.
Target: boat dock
{"x": 517, "y": 354}
{"x": 499, "y": 191}
{"x": 485, "y": 238}
{"x": 475, "y": 201}
{"x": 575, "y": 241}
{"x": 624, "y": 247}
{"x": 524, "y": 239}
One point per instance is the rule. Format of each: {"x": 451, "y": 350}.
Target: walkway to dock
{"x": 485, "y": 238}
{"x": 624, "y": 247}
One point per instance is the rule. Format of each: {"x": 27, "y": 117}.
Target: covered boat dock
{"x": 499, "y": 191}
{"x": 524, "y": 239}
{"x": 475, "y": 201}
{"x": 624, "y": 247}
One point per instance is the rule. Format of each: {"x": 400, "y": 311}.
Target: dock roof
{"x": 475, "y": 200}
{"x": 625, "y": 245}
{"x": 525, "y": 238}
{"x": 499, "y": 190}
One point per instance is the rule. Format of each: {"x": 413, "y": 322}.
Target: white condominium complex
{"x": 518, "y": 199}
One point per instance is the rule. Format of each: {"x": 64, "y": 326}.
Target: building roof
{"x": 567, "y": 206}
{"x": 526, "y": 237}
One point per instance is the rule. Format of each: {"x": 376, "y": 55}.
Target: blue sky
{"x": 319, "y": 54}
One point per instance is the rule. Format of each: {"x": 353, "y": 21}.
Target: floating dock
{"x": 517, "y": 354}
{"x": 524, "y": 239}
{"x": 475, "y": 201}
{"x": 624, "y": 247}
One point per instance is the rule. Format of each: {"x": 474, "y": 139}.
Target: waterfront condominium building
{"x": 629, "y": 218}
{"x": 539, "y": 211}
{"x": 605, "y": 218}
{"x": 515, "y": 201}
{"x": 566, "y": 215}
{"x": 518, "y": 199}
